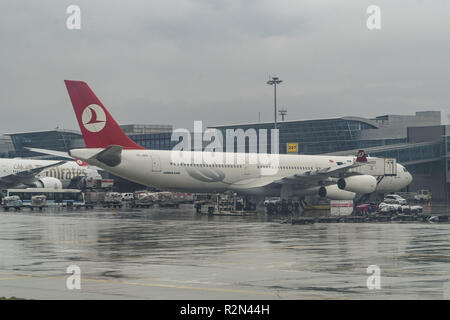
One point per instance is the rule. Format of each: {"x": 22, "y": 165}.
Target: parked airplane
{"x": 41, "y": 173}
{"x": 109, "y": 148}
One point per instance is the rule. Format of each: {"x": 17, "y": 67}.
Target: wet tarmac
{"x": 175, "y": 254}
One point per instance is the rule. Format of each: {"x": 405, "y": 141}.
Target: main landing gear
{"x": 283, "y": 206}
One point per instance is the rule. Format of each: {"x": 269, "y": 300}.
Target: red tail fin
{"x": 361, "y": 157}
{"x": 98, "y": 127}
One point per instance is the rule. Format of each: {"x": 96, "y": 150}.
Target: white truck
{"x": 422, "y": 196}
{"x": 112, "y": 200}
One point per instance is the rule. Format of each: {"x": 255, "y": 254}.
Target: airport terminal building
{"x": 340, "y": 134}
{"x": 417, "y": 141}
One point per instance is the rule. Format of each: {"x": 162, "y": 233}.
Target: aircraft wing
{"x": 326, "y": 175}
{"x": 253, "y": 183}
{"x": 25, "y": 176}
{"x": 51, "y": 152}
{"x": 59, "y": 154}
{"x": 305, "y": 180}
{"x": 313, "y": 176}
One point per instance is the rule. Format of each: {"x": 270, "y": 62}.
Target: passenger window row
{"x": 203, "y": 165}
{"x": 286, "y": 168}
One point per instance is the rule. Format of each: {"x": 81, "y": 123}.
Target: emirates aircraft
{"x": 290, "y": 176}
{"x": 42, "y": 173}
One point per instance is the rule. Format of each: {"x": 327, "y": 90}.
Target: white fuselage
{"x": 64, "y": 172}
{"x": 158, "y": 168}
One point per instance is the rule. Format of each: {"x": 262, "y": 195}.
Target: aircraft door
{"x": 156, "y": 164}
{"x": 390, "y": 167}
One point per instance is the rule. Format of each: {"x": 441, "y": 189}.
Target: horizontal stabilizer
{"x": 111, "y": 156}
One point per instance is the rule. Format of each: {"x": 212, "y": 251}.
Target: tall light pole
{"x": 274, "y": 82}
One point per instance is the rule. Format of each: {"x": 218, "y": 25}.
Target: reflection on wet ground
{"x": 176, "y": 254}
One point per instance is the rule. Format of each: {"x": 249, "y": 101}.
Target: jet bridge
{"x": 378, "y": 167}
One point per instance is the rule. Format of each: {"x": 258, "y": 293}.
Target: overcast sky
{"x": 176, "y": 61}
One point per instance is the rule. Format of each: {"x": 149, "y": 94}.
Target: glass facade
{"x": 411, "y": 153}
{"x": 421, "y": 168}
{"x": 314, "y": 136}
{"x": 136, "y": 129}
{"x": 380, "y": 142}
{"x": 154, "y": 141}
{"x": 447, "y": 144}
{"x": 59, "y": 140}
{"x": 63, "y": 140}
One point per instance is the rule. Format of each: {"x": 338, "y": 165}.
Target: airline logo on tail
{"x": 93, "y": 118}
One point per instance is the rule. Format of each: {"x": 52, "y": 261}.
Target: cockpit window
{"x": 404, "y": 170}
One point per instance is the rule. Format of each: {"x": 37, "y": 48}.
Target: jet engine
{"x": 332, "y": 192}
{"x": 360, "y": 184}
{"x": 48, "y": 182}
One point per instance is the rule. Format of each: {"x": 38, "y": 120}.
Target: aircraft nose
{"x": 409, "y": 177}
